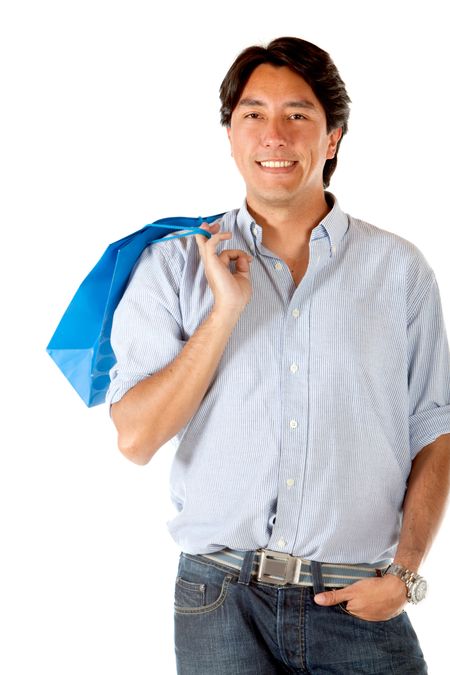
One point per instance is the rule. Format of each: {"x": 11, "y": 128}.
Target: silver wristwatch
{"x": 415, "y": 584}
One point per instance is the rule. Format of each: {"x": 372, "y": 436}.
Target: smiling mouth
{"x": 276, "y": 164}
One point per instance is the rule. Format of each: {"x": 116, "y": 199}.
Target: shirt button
{"x": 281, "y": 543}
{"x": 294, "y": 368}
{"x": 293, "y": 424}
{"x": 290, "y": 482}
{"x": 295, "y": 313}
{"x": 278, "y": 266}
{"x": 254, "y": 229}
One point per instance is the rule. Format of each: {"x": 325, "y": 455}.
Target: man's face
{"x": 279, "y": 139}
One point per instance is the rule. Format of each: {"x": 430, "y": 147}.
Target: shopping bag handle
{"x": 186, "y": 231}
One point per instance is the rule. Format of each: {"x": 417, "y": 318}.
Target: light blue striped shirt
{"x": 325, "y": 393}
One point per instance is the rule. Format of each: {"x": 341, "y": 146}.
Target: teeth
{"x": 276, "y": 165}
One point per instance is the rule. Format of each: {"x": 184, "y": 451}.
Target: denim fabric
{"x": 226, "y": 627}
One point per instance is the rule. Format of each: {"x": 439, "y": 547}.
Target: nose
{"x": 274, "y": 135}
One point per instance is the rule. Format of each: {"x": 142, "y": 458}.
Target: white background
{"x": 109, "y": 120}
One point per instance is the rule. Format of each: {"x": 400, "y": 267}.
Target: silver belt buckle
{"x": 278, "y": 568}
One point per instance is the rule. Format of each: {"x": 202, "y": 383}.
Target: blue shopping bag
{"x": 80, "y": 346}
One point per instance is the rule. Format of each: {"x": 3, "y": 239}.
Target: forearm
{"x": 424, "y": 503}
{"x": 380, "y": 599}
{"x": 154, "y": 410}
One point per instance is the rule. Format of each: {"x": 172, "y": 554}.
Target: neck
{"x": 288, "y": 223}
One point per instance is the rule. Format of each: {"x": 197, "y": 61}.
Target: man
{"x": 300, "y": 357}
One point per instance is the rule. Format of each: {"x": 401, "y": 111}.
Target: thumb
{"x": 243, "y": 263}
{"x": 199, "y": 237}
{"x": 333, "y": 597}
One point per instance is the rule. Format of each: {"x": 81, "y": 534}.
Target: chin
{"x": 277, "y": 197}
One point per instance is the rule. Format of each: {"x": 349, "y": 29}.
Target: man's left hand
{"x": 377, "y": 599}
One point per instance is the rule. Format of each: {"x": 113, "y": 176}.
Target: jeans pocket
{"x": 199, "y": 598}
{"x": 189, "y": 594}
{"x": 343, "y": 607}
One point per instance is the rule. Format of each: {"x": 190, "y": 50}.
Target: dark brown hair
{"x": 312, "y": 64}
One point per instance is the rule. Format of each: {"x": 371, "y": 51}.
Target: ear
{"x": 333, "y": 139}
{"x": 229, "y": 138}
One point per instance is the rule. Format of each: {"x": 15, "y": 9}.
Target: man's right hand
{"x": 232, "y": 290}
{"x": 158, "y": 406}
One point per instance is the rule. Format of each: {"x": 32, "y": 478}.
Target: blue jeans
{"x": 229, "y": 624}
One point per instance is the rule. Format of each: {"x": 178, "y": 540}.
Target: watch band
{"x": 416, "y": 586}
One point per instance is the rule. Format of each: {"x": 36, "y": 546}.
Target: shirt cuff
{"x": 426, "y": 426}
{"x": 117, "y": 390}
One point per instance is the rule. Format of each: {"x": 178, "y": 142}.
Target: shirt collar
{"x": 333, "y": 226}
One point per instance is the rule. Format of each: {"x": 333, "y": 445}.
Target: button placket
{"x": 295, "y": 387}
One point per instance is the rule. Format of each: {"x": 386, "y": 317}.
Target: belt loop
{"x": 247, "y": 568}
{"x": 316, "y": 571}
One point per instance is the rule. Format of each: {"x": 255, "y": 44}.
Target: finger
{"x": 234, "y": 254}
{"x": 212, "y": 242}
{"x": 215, "y": 238}
{"x": 333, "y": 597}
{"x": 243, "y": 263}
{"x": 199, "y": 238}
{"x": 213, "y": 228}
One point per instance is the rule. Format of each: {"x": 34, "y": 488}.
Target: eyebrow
{"x": 301, "y": 103}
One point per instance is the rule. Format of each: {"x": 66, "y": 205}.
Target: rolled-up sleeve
{"x": 428, "y": 367}
{"x": 147, "y": 330}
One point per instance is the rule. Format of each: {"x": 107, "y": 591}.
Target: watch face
{"x": 419, "y": 590}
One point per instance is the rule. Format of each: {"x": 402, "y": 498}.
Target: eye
{"x": 252, "y": 116}
{"x": 297, "y": 116}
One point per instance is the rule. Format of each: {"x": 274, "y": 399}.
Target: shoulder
{"x": 397, "y": 256}
{"x": 171, "y": 255}
{"x": 384, "y": 237}
{"x": 177, "y": 250}
{"x": 385, "y": 242}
